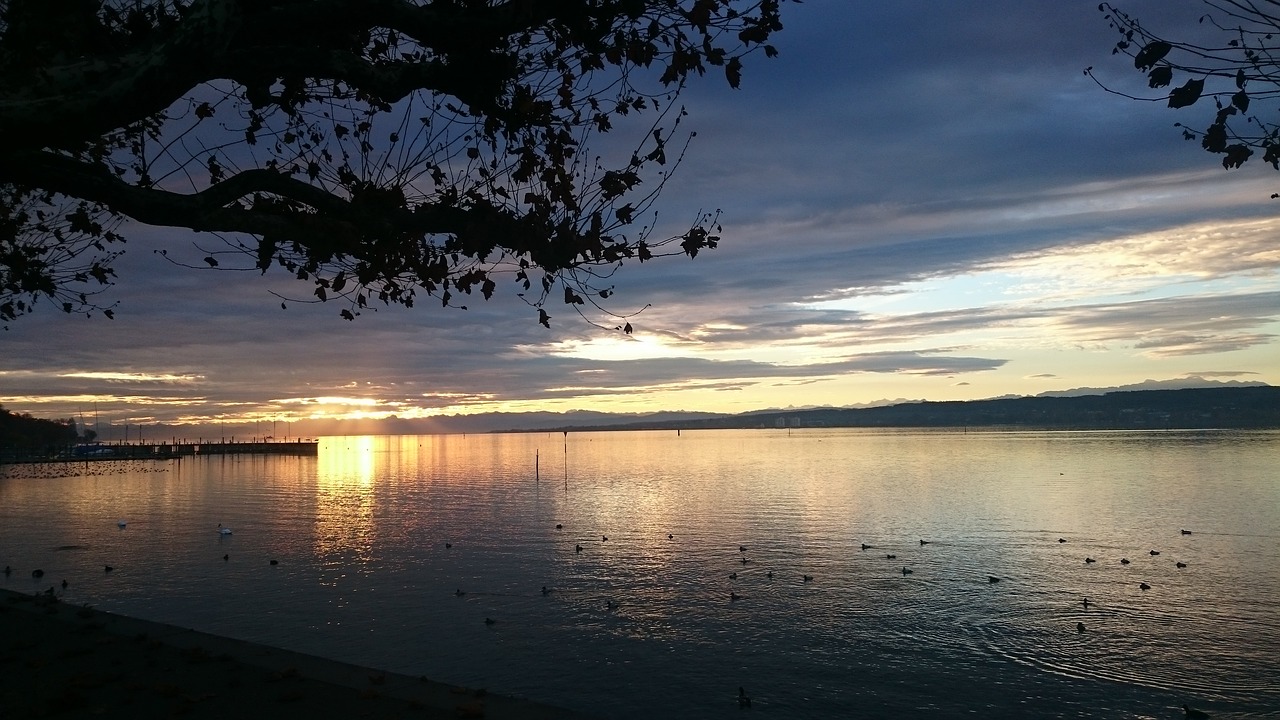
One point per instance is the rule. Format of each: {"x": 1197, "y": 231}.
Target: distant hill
{"x": 1194, "y": 381}
{"x": 1253, "y": 407}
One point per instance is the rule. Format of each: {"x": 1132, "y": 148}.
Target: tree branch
{"x": 332, "y": 224}
{"x": 202, "y": 211}
{"x": 63, "y": 105}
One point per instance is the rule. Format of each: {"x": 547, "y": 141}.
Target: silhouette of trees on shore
{"x": 22, "y": 432}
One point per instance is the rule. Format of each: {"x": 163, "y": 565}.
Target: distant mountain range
{"x": 1175, "y": 384}
{"x": 862, "y": 415}
{"x": 1227, "y": 407}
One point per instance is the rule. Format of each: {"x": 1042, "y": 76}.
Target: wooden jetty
{"x": 301, "y": 447}
{"x": 186, "y": 448}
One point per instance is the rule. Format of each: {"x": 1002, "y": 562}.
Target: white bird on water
{"x": 223, "y": 530}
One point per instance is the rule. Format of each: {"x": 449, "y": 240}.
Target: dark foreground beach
{"x": 59, "y": 660}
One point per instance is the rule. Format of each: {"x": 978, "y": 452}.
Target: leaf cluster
{"x": 1238, "y": 75}
{"x": 379, "y": 150}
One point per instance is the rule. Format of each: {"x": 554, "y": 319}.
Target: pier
{"x": 301, "y": 447}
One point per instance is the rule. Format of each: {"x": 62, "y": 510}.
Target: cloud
{"x": 1197, "y": 252}
{"x": 135, "y": 378}
{"x": 1219, "y": 373}
{"x": 1176, "y": 326}
{"x": 1173, "y": 346}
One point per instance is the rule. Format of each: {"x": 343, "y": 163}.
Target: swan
{"x": 223, "y": 530}
{"x": 733, "y": 596}
{"x": 925, "y": 542}
{"x": 1180, "y": 564}
{"x": 1186, "y": 532}
{"x": 906, "y": 571}
{"x": 866, "y": 546}
{"x": 1062, "y": 540}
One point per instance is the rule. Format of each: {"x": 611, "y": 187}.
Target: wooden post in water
{"x": 536, "y": 476}
{"x": 566, "y": 461}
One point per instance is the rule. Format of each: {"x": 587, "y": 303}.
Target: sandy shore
{"x": 59, "y": 660}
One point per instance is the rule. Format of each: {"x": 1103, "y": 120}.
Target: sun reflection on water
{"x": 345, "y": 503}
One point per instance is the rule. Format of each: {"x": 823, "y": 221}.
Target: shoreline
{"x": 64, "y": 660}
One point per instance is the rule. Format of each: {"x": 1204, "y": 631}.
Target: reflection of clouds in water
{"x": 344, "y": 530}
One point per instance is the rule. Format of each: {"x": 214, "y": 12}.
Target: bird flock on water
{"x": 107, "y": 569}
{"x": 744, "y": 701}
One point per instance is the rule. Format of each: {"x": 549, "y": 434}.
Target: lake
{"x": 732, "y": 559}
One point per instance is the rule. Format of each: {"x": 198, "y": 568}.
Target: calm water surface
{"x": 644, "y": 625}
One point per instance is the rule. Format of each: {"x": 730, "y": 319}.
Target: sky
{"x": 920, "y": 201}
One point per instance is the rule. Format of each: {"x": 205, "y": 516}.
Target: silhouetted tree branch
{"x": 374, "y": 148}
{"x": 1240, "y": 75}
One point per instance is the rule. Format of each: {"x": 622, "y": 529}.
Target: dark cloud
{"x": 1220, "y": 374}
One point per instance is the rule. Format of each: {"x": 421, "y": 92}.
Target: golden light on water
{"x": 345, "y": 499}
